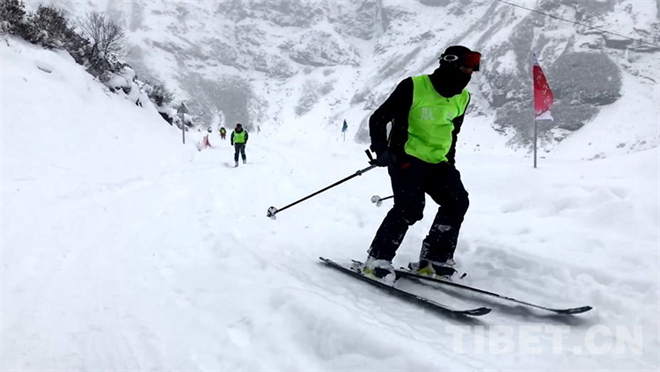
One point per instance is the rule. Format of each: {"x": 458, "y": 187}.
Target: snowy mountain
{"x": 270, "y": 63}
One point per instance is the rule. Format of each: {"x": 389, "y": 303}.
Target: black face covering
{"x": 449, "y": 81}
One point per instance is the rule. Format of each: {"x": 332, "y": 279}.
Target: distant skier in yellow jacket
{"x": 238, "y": 139}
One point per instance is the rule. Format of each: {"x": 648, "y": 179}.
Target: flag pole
{"x": 535, "y": 139}
{"x": 543, "y": 99}
{"x": 534, "y": 110}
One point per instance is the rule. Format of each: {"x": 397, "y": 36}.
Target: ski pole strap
{"x": 371, "y": 158}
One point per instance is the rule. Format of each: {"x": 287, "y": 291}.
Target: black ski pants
{"x": 411, "y": 180}
{"x": 239, "y": 148}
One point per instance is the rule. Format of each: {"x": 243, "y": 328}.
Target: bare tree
{"x": 106, "y": 36}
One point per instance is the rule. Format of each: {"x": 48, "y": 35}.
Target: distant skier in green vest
{"x": 238, "y": 139}
{"x": 426, "y": 113}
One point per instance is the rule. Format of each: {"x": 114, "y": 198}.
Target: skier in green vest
{"x": 426, "y": 113}
{"x": 238, "y": 139}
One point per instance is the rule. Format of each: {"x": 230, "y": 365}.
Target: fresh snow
{"x": 123, "y": 249}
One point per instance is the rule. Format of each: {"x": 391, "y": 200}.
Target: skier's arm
{"x": 231, "y": 138}
{"x": 400, "y": 100}
{"x": 246, "y": 136}
{"x": 458, "y": 122}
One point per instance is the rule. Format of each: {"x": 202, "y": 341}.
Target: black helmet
{"x": 458, "y": 55}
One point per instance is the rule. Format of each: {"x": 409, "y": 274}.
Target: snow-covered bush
{"x": 158, "y": 93}
{"x": 54, "y": 22}
{"x": 16, "y": 21}
{"x": 98, "y": 49}
{"x": 190, "y": 121}
{"x": 161, "y": 98}
{"x": 12, "y": 14}
{"x": 48, "y": 26}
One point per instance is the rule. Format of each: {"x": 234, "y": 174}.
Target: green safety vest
{"x": 239, "y": 137}
{"x": 430, "y": 121}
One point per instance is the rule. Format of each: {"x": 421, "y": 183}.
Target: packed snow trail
{"x": 123, "y": 249}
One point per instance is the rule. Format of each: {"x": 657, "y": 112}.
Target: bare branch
{"x": 106, "y": 36}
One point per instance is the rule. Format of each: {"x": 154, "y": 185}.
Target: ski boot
{"x": 434, "y": 269}
{"x": 236, "y": 164}
{"x": 381, "y": 270}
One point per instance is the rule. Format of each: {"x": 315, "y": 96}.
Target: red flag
{"x": 543, "y": 96}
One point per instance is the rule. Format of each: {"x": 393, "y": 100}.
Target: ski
{"x": 569, "y": 311}
{"x": 400, "y": 293}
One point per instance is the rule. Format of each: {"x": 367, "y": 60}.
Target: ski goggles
{"x": 468, "y": 60}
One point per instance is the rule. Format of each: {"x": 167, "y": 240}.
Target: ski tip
{"x": 575, "y": 310}
{"x": 477, "y": 312}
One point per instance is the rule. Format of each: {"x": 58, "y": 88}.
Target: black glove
{"x": 385, "y": 158}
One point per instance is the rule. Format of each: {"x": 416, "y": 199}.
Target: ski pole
{"x": 378, "y": 200}
{"x": 272, "y": 211}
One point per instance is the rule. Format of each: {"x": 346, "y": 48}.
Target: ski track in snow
{"x": 169, "y": 262}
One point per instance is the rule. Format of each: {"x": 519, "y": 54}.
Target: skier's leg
{"x": 408, "y": 188}
{"x": 243, "y": 152}
{"x": 444, "y": 185}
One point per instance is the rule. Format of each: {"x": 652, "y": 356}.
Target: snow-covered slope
{"x": 270, "y": 63}
{"x": 123, "y": 249}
